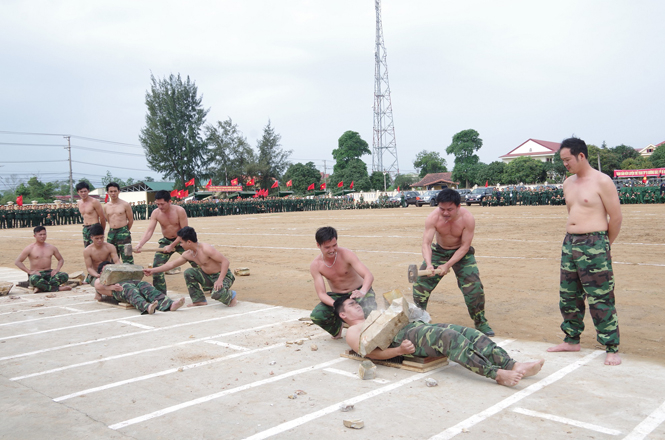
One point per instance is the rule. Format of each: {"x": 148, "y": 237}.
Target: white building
{"x": 534, "y": 148}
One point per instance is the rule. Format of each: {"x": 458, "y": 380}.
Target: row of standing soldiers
{"x": 527, "y": 197}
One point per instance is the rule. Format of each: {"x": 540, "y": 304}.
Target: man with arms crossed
{"x": 120, "y": 217}
{"x": 40, "y": 274}
{"x": 91, "y": 211}
{"x": 466, "y": 346}
{"x": 210, "y": 264}
{"x": 171, "y": 219}
{"x": 98, "y": 252}
{"x": 586, "y": 263}
{"x": 453, "y": 228}
{"x": 345, "y": 274}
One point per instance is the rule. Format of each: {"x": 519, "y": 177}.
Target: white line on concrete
{"x": 227, "y": 345}
{"x": 71, "y": 309}
{"x": 564, "y": 420}
{"x": 210, "y": 397}
{"x": 505, "y": 403}
{"x": 76, "y": 344}
{"x": 648, "y": 425}
{"x": 353, "y": 376}
{"x": 136, "y": 324}
{"x": 148, "y": 350}
{"x": 36, "y": 309}
{"x": 78, "y": 312}
{"x": 57, "y": 329}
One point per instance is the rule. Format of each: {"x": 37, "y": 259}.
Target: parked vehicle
{"x": 412, "y": 197}
{"x": 477, "y": 195}
{"x": 429, "y": 198}
{"x": 463, "y": 192}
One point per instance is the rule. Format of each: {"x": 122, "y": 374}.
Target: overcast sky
{"x": 512, "y": 70}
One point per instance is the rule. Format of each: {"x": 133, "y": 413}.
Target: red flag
{"x": 251, "y": 182}
{"x": 19, "y": 200}
{"x": 234, "y": 182}
{"x": 190, "y": 182}
{"x": 351, "y": 186}
{"x": 185, "y": 193}
{"x": 289, "y": 183}
{"x": 340, "y": 184}
{"x": 255, "y": 195}
{"x": 486, "y": 183}
{"x": 265, "y": 192}
{"x": 323, "y": 185}
{"x": 174, "y": 193}
{"x": 106, "y": 199}
{"x": 275, "y": 185}
{"x": 398, "y": 189}
{"x": 311, "y": 187}
{"x": 209, "y": 183}
{"x": 644, "y": 180}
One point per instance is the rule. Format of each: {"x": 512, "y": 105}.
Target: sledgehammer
{"x": 128, "y": 251}
{"x": 414, "y": 272}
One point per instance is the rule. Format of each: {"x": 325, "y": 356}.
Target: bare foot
{"x": 233, "y": 302}
{"x": 339, "y": 335}
{"x": 38, "y": 290}
{"x": 564, "y": 346}
{"x": 508, "y": 378}
{"x": 61, "y": 288}
{"x": 177, "y": 304}
{"x": 529, "y": 368}
{"x": 98, "y": 297}
{"x": 200, "y": 303}
{"x": 152, "y": 307}
{"x": 612, "y": 359}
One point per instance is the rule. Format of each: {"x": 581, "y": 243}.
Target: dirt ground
{"x": 517, "y": 249}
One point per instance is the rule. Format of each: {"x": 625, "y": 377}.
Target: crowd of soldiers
{"x": 526, "y": 196}
{"x": 640, "y": 193}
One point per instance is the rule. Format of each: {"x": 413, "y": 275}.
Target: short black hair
{"x": 100, "y": 268}
{"x": 162, "y": 195}
{"x": 338, "y": 305}
{"x": 448, "y": 195}
{"x": 325, "y": 233}
{"x": 188, "y": 234}
{"x": 38, "y": 229}
{"x": 82, "y": 184}
{"x": 112, "y": 184}
{"x": 96, "y": 230}
{"x": 576, "y": 146}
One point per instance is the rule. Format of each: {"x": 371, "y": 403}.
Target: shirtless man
{"x": 466, "y": 346}
{"x": 206, "y": 275}
{"x": 120, "y": 217}
{"x": 453, "y": 229}
{"x": 91, "y": 211}
{"x": 586, "y": 263}
{"x": 345, "y": 274}
{"x": 40, "y": 274}
{"x": 98, "y": 252}
{"x": 171, "y": 219}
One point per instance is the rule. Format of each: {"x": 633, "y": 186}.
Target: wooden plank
{"x": 401, "y": 364}
{"x": 123, "y": 305}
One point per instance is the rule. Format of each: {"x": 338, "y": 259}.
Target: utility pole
{"x": 384, "y": 180}
{"x": 71, "y": 185}
{"x": 325, "y": 171}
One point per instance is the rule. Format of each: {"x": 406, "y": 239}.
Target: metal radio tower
{"x": 383, "y": 144}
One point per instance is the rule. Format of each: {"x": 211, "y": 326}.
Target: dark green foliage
{"x": 429, "y": 162}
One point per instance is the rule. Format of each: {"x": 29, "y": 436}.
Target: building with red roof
{"x": 534, "y": 148}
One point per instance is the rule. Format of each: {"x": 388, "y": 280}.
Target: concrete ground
{"x": 72, "y": 368}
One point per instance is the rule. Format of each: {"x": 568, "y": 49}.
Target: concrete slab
{"x": 72, "y": 368}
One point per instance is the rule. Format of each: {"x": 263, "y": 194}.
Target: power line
{"x": 70, "y": 135}
{"x": 108, "y": 166}
{"x": 31, "y": 161}
{"x": 77, "y": 147}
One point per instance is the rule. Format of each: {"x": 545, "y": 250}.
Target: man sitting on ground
{"x": 468, "y": 347}
{"x": 140, "y": 294}
{"x": 98, "y": 252}
{"x": 206, "y": 275}
{"x": 40, "y": 274}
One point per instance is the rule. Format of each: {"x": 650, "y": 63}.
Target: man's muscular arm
{"x": 61, "y": 261}
{"x": 223, "y": 266}
{"x": 21, "y": 258}
{"x": 149, "y": 231}
{"x": 129, "y": 215}
{"x": 100, "y": 213}
{"x": 610, "y": 199}
{"x": 364, "y": 272}
{"x": 428, "y": 237}
{"x": 353, "y": 339}
{"x": 168, "y": 266}
{"x": 320, "y": 285}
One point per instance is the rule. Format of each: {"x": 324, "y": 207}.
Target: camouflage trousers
{"x": 119, "y": 237}
{"x": 586, "y": 272}
{"x": 140, "y": 294}
{"x": 87, "y": 239}
{"x": 466, "y": 346}
{"x": 197, "y": 281}
{"x": 47, "y": 283}
{"x": 468, "y": 280}
{"x": 324, "y": 316}
{"x": 158, "y": 279}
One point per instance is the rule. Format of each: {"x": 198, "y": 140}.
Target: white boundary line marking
{"x": 209, "y": 397}
{"x": 136, "y": 324}
{"x": 71, "y": 309}
{"x": 147, "y": 350}
{"x": 87, "y": 324}
{"x": 647, "y": 425}
{"x": 227, "y": 345}
{"x": 353, "y": 376}
{"x": 109, "y": 338}
{"x": 78, "y": 312}
{"x": 564, "y": 420}
{"x": 505, "y": 403}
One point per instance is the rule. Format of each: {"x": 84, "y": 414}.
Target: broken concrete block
{"x": 380, "y": 332}
{"x": 345, "y": 407}
{"x": 367, "y": 370}
{"x": 392, "y": 296}
{"x": 114, "y": 273}
{"x": 431, "y": 382}
{"x": 355, "y": 424}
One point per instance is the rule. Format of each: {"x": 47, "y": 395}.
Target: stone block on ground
{"x": 114, "y": 273}
{"x": 355, "y": 424}
{"x": 367, "y": 370}
{"x": 380, "y": 332}
{"x": 242, "y": 271}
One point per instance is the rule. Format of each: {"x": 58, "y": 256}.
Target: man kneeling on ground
{"x": 211, "y": 264}
{"x": 468, "y": 347}
{"x": 140, "y": 294}
{"x": 40, "y": 255}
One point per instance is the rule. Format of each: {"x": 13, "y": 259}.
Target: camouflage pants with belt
{"x": 87, "y": 240}
{"x": 197, "y": 281}
{"x": 140, "y": 294}
{"x": 47, "y": 283}
{"x": 468, "y": 280}
{"x": 119, "y": 237}
{"x": 161, "y": 259}
{"x": 586, "y": 272}
{"x": 324, "y": 315}
{"x": 466, "y": 346}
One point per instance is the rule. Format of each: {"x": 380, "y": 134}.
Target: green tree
{"x": 230, "y": 154}
{"x": 35, "y": 189}
{"x": 404, "y": 181}
{"x": 609, "y": 161}
{"x": 429, "y": 162}
{"x": 464, "y": 145}
{"x": 377, "y": 182}
{"x": 624, "y": 152}
{"x": 492, "y": 174}
{"x": 658, "y": 156}
{"x": 108, "y": 178}
{"x": 302, "y": 176}
{"x": 272, "y": 161}
{"x": 637, "y": 163}
{"x": 555, "y": 171}
{"x": 348, "y": 165}
{"x": 524, "y": 170}
{"x": 171, "y": 137}
{"x": 148, "y": 179}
